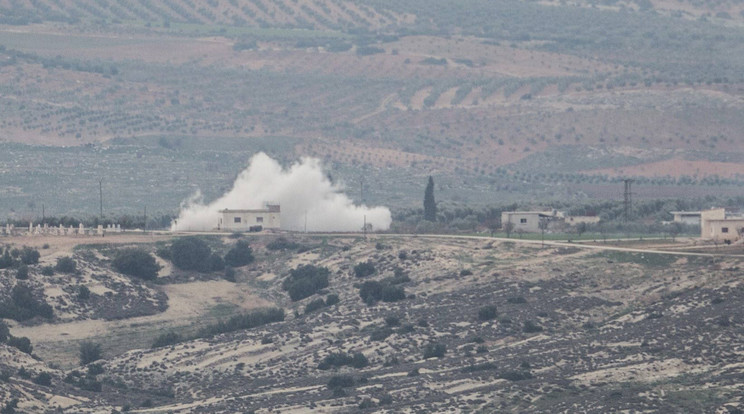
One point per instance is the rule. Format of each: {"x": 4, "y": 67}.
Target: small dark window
{"x": 237, "y": 220}
{"x": 259, "y": 219}
{"x": 724, "y": 229}
{"x": 523, "y": 221}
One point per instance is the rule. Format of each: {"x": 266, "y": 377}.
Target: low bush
{"x": 22, "y": 343}
{"x": 83, "y": 293}
{"x": 314, "y": 305}
{"x": 47, "y": 270}
{"x": 488, "y": 313}
{"x": 283, "y": 244}
{"x": 332, "y": 299}
{"x": 305, "y": 280}
{"x": 531, "y": 327}
{"x": 29, "y": 256}
{"x": 191, "y": 253}
{"x": 89, "y": 352}
{"x": 248, "y": 320}
{"x": 166, "y": 339}
{"x": 44, "y": 378}
{"x": 239, "y": 255}
{"x": 435, "y": 350}
{"x": 22, "y": 272}
{"x": 66, "y": 265}
{"x": 341, "y": 381}
{"x": 136, "y": 262}
{"x": 364, "y": 269}
{"x": 516, "y": 375}
{"x": 22, "y": 305}
{"x": 340, "y": 359}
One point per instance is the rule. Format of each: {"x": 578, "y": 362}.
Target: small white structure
{"x": 720, "y": 226}
{"x": 250, "y": 220}
{"x": 686, "y": 217}
{"x": 529, "y": 221}
{"x": 576, "y": 220}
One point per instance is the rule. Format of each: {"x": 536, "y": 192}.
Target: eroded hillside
{"x": 457, "y": 324}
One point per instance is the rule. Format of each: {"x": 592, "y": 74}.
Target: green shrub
{"x": 136, "y": 262}
{"x": 359, "y": 361}
{"x": 22, "y": 272}
{"x": 191, "y": 253}
{"x": 216, "y": 263}
{"x": 44, "y": 378}
{"x": 393, "y": 293}
{"x": 305, "y": 280}
{"x": 364, "y": 269}
{"x": 517, "y": 299}
{"x": 487, "y": 313}
{"x": 22, "y": 305}
{"x": 164, "y": 253}
{"x": 29, "y": 256}
{"x": 89, "y": 352}
{"x": 283, "y": 244}
{"x": 248, "y": 320}
{"x": 166, "y": 339}
{"x": 516, "y": 375}
{"x": 23, "y": 344}
{"x": 314, "y": 305}
{"x": 65, "y": 265}
{"x": 4, "y": 331}
{"x": 392, "y": 320}
{"x": 229, "y": 274}
{"x": 332, "y": 299}
{"x": 531, "y": 327}
{"x": 341, "y": 381}
{"x": 380, "y": 334}
{"x": 240, "y": 255}
{"x": 83, "y": 293}
{"x": 435, "y": 350}
{"x": 366, "y": 403}
{"x": 47, "y": 270}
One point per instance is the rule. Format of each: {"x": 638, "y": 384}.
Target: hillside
{"x": 479, "y": 94}
{"x": 482, "y": 326}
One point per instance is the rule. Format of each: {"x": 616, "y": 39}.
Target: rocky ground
{"x": 573, "y": 330}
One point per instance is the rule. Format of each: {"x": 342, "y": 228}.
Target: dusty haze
{"x": 301, "y": 189}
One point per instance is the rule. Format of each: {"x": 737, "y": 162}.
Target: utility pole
{"x": 100, "y": 193}
{"x": 364, "y": 229}
{"x": 145, "y": 219}
{"x": 628, "y": 198}
{"x": 362, "y": 189}
{"x": 43, "y": 214}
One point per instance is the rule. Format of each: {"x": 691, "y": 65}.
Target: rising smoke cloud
{"x": 301, "y": 189}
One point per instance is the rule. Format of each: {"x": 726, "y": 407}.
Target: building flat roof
{"x": 264, "y": 210}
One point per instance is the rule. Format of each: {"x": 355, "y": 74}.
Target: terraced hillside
{"x": 307, "y": 14}
{"x": 481, "y": 326}
{"x": 504, "y": 100}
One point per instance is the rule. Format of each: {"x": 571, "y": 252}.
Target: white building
{"x": 529, "y": 221}
{"x": 718, "y": 225}
{"x": 250, "y": 220}
{"x": 686, "y": 217}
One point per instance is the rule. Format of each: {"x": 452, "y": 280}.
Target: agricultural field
{"x": 472, "y": 324}
{"x": 501, "y": 101}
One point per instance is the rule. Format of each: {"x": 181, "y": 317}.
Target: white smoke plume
{"x": 302, "y": 189}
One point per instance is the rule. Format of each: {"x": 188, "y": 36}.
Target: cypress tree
{"x": 430, "y": 206}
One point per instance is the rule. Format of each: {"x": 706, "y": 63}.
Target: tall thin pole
{"x": 100, "y": 193}
{"x": 145, "y": 219}
{"x": 305, "y": 221}
{"x": 43, "y": 214}
{"x": 364, "y": 229}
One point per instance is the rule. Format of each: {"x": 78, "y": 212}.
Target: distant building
{"x": 720, "y": 226}
{"x": 575, "y": 220}
{"x": 250, "y": 220}
{"x": 686, "y": 217}
{"x": 529, "y": 221}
